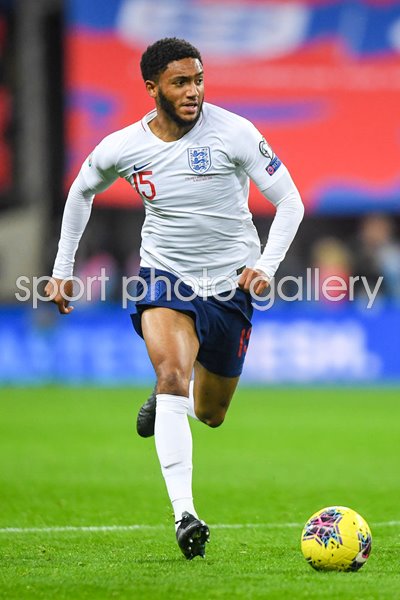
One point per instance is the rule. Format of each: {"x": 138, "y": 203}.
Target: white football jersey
{"x": 195, "y": 192}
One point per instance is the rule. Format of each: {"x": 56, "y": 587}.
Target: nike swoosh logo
{"x": 136, "y": 169}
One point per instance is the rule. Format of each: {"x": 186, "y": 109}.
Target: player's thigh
{"x": 212, "y": 394}
{"x": 171, "y": 341}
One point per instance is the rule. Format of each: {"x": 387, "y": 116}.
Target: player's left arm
{"x": 275, "y": 183}
{"x": 284, "y": 195}
{"x": 289, "y": 212}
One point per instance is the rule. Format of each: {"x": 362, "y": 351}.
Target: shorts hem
{"x": 137, "y": 317}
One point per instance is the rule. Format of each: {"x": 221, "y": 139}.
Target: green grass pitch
{"x": 70, "y": 459}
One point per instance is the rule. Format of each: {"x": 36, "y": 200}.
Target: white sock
{"x": 173, "y": 440}
{"x": 191, "y": 412}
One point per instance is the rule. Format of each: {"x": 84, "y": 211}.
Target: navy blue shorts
{"x": 223, "y": 326}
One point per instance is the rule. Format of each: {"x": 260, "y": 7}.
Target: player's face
{"x": 180, "y": 91}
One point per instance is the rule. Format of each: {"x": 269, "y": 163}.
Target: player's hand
{"x": 253, "y": 281}
{"x": 60, "y": 291}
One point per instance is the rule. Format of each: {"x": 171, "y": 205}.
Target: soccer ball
{"x": 336, "y": 538}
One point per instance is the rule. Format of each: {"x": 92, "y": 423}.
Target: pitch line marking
{"x": 105, "y": 528}
{"x": 101, "y": 528}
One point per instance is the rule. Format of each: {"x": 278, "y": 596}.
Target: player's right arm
{"x": 98, "y": 172}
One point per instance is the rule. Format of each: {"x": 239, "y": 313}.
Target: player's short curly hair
{"x": 157, "y": 56}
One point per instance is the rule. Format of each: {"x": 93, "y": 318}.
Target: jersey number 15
{"x": 143, "y": 185}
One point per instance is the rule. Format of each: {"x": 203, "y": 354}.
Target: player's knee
{"x": 211, "y": 419}
{"x": 172, "y": 381}
{"x": 216, "y": 421}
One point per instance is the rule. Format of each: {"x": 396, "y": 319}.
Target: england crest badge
{"x": 199, "y": 159}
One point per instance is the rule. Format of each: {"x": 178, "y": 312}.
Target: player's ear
{"x": 151, "y": 88}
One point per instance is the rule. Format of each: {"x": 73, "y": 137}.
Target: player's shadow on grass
{"x": 159, "y": 559}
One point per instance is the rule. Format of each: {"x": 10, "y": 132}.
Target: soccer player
{"x": 190, "y": 162}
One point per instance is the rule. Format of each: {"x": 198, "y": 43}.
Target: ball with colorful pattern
{"x": 336, "y": 538}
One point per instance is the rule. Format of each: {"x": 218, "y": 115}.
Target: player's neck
{"x": 166, "y": 129}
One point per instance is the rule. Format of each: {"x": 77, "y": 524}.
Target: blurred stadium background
{"x": 320, "y": 78}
